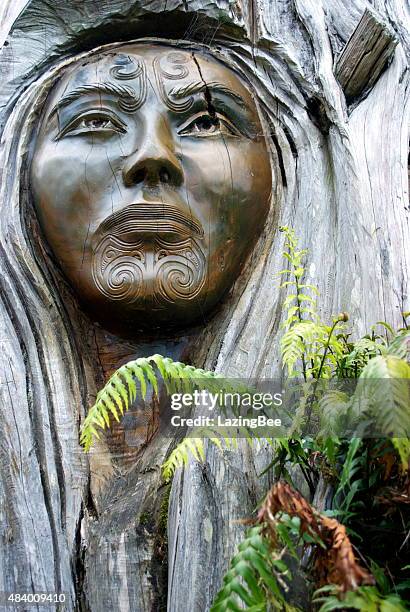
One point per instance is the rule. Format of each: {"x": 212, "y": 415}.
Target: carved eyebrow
{"x": 201, "y": 87}
{"x": 126, "y": 95}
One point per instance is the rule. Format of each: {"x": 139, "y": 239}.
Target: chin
{"x": 158, "y": 277}
{"x": 147, "y": 318}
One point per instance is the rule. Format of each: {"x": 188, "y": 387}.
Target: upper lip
{"x": 151, "y": 218}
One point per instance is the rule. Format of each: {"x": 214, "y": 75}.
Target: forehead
{"x": 160, "y": 63}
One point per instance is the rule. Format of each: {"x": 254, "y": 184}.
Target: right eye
{"x": 93, "y": 123}
{"x": 96, "y": 124}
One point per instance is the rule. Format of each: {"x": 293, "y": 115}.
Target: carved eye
{"x": 93, "y": 123}
{"x": 203, "y": 125}
{"x": 206, "y": 123}
{"x": 96, "y": 124}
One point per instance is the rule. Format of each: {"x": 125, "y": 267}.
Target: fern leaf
{"x": 311, "y": 287}
{"x": 289, "y": 299}
{"x": 384, "y": 385}
{"x": 180, "y": 456}
{"x": 106, "y": 399}
{"x": 306, "y": 298}
{"x": 138, "y": 372}
{"x": 159, "y": 362}
{"x": 115, "y": 396}
{"x": 104, "y": 414}
{"x": 385, "y": 325}
{"x": 364, "y": 350}
{"x": 250, "y": 576}
{"x": 333, "y": 407}
{"x": 364, "y": 599}
{"x": 402, "y": 446}
{"x": 121, "y": 390}
{"x": 400, "y": 346}
{"x": 118, "y": 383}
{"x": 148, "y": 371}
{"x": 295, "y": 341}
{"x": 194, "y": 446}
{"x": 132, "y": 387}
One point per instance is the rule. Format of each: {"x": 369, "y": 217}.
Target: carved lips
{"x": 151, "y": 218}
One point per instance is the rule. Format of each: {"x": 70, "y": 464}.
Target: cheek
{"x": 231, "y": 185}
{"x": 69, "y": 188}
{"x": 230, "y": 190}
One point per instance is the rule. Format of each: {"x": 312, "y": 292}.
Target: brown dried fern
{"x": 334, "y": 560}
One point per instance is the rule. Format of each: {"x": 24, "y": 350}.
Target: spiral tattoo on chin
{"x": 180, "y": 271}
{"x": 153, "y": 273}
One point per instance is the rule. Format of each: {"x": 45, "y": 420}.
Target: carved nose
{"x": 154, "y": 164}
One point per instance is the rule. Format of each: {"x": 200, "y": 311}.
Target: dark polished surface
{"x": 151, "y": 181}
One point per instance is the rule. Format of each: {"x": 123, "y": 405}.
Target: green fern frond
{"x": 352, "y": 363}
{"x": 383, "y": 394}
{"x": 400, "y": 345}
{"x": 333, "y": 411}
{"x": 180, "y": 456}
{"x": 309, "y": 286}
{"x": 226, "y": 437}
{"x": 364, "y": 599}
{"x": 295, "y": 342}
{"x": 121, "y": 389}
{"x": 402, "y": 446}
{"x": 384, "y": 386}
{"x": 253, "y": 573}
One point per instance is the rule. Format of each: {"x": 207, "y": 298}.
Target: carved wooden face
{"x": 151, "y": 181}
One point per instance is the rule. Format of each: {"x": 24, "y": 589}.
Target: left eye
{"x": 205, "y": 125}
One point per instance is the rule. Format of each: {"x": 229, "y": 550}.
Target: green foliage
{"x": 384, "y": 384}
{"x": 194, "y": 446}
{"x": 257, "y": 575}
{"x": 306, "y": 340}
{"x": 348, "y": 483}
{"x": 121, "y": 389}
{"x": 352, "y": 363}
{"x": 400, "y": 345}
{"x": 365, "y": 599}
{"x": 356, "y": 467}
{"x": 318, "y": 351}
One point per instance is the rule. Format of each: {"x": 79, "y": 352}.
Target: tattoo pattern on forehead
{"x": 179, "y": 69}
{"x": 126, "y": 68}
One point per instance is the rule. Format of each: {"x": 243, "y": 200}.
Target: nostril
{"x": 164, "y": 175}
{"x": 152, "y": 172}
{"x": 139, "y": 176}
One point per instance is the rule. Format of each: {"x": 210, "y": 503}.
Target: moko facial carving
{"x": 151, "y": 180}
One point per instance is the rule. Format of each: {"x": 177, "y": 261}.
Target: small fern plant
{"x": 257, "y": 576}
{"x": 307, "y": 340}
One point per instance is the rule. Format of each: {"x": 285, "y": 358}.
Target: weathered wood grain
{"x": 365, "y": 56}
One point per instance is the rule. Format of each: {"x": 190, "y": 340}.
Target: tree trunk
{"x": 338, "y": 108}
